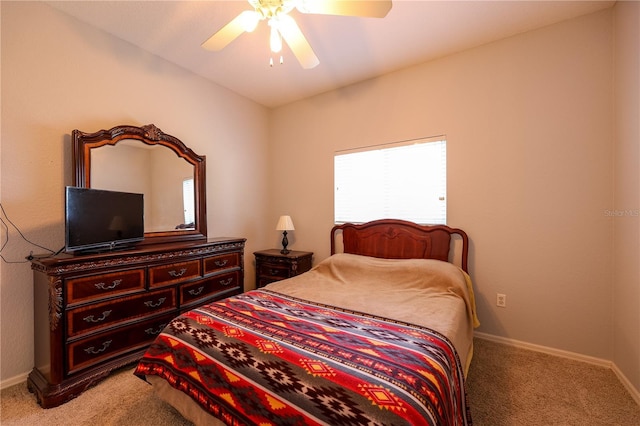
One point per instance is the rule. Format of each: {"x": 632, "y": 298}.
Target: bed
{"x": 379, "y": 333}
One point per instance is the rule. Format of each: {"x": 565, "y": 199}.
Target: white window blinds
{"x": 406, "y": 180}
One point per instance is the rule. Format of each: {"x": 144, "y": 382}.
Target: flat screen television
{"x": 99, "y": 220}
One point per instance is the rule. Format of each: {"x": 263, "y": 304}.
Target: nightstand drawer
{"x": 94, "y": 287}
{"x": 274, "y": 270}
{"x": 262, "y": 281}
{"x": 93, "y": 317}
{"x": 173, "y": 273}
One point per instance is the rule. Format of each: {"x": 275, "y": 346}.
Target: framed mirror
{"x": 146, "y": 160}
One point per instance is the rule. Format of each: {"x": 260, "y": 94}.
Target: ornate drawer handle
{"x": 155, "y": 332}
{"x": 221, "y": 263}
{"x": 104, "y": 316}
{"x": 103, "y": 286}
{"x": 150, "y": 304}
{"x": 93, "y": 351}
{"x": 196, "y": 292}
{"x": 226, "y": 282}
{"x": 177, "y": 274}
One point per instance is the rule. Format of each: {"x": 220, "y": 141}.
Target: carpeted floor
{"x": 506, "y": 386}
{"x": 510, "y": 386}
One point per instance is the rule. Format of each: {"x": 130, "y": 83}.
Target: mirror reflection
{"x": 153, "y": 170}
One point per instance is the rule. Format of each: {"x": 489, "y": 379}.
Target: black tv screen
{"x": 97, "y": 220}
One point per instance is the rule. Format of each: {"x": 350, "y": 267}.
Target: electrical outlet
{"x": 501, "y": 300}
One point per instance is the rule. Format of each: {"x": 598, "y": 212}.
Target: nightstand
{"x": 271, "y": 265}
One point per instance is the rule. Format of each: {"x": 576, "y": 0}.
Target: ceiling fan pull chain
{"x": 271, "y": 61}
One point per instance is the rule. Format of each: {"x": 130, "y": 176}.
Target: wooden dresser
{"x": 95, "y": 313}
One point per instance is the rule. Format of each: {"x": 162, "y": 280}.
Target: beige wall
{"x": 528, "y": 122}
{"x": 59, "y": 75}
{"x": 626, "y": 294}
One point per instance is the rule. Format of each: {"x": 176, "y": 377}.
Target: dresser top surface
{"x": 141, "y": 252}
{"x": 293, "y": 254}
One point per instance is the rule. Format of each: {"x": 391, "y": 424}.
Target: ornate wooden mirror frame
{"x": 85, "y": 143}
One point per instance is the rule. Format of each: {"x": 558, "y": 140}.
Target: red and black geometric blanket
{"x": 263, "y": 358}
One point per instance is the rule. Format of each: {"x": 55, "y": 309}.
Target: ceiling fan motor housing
{"x": 271, "y": 8}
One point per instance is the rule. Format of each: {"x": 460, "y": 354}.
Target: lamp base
{"x": 285, "y": 242}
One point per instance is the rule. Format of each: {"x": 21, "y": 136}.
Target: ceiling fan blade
{"x": 299, "y": 45}
{"x": 245, "y": 21}
{"x": 364, "y": 8}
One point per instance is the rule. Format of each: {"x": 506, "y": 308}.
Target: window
{"x": 406, "y": 180}
{"x": 188, "y": 200}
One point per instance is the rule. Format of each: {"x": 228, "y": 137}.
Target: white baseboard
{"x": 21, "y": 378}
{"x": 635, "y": 393}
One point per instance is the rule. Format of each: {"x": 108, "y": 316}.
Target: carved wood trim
{"x": 55, "y": 301}
{"x": 134, "y": 259}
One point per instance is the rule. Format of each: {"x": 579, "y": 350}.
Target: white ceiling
{"x": 350, "y": 49}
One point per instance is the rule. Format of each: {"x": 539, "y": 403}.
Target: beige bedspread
{"x": 426, "y": 292}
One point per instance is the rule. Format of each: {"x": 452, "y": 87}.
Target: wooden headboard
{"x": 400, "y": 239}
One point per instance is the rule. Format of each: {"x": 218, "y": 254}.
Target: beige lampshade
{"x": 285, "y": 224}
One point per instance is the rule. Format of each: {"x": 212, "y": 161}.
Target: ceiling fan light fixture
{"x": 284, "y": 27}
{"x": 272, "y": 8}
{"x": 275, "y": 40}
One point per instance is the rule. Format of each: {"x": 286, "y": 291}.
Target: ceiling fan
{"x": 285, "y": 27}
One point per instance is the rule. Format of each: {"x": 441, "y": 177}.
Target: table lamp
{"x": 285, "y": 224}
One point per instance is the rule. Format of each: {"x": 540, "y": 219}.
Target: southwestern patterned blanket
{"x": 264, "y": 358}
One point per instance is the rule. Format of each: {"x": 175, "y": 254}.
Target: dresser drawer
{"x": 93, "y": 317}
{"x": 87, "y": 352}
{"x": 174, "y": 273}
{"x": 222, "y": 261}
{"x": 194, "y": 292}
{"x": 93, "y": 287}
